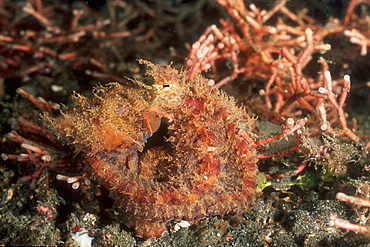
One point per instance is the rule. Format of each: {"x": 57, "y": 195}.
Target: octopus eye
{"x": 166, "y": 87}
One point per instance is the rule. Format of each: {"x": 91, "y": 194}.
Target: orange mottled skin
{"x": 172, "y": 150}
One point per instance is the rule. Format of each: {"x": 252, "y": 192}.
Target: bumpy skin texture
{"x": 172, "y": 150}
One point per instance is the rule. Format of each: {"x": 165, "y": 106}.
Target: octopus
{"x": 169, "y": 149}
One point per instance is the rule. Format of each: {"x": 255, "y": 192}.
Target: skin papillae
{"x": 170, "y": 150}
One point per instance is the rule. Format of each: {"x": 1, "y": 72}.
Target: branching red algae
{"x": 172, "y": 150}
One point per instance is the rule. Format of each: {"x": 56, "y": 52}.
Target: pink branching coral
{"x": 278, "y": 56}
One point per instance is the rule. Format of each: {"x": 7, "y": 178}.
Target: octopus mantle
{"x": 171, "y": 150}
